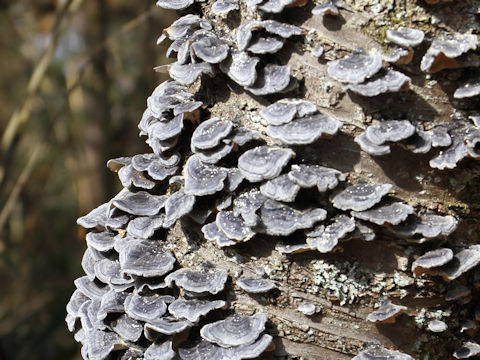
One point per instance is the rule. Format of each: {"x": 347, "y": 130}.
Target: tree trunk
{"x": 348, "y": 283}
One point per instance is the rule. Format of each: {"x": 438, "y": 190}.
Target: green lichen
{"x": 347, "y": 281}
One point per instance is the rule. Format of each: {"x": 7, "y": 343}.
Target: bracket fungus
{"x": 253, "y": 285}
{"x": 213, "y": 233}
{"x": 247, "y": 204}
{"x": 177, "y": 205}
{"x": 236, "y": 330}
{"x": 431, "y": 259}
{"x": 203, "y": 179}
{"x": 468, "y": 350}
{"x": 386, "y": 313}
{"x": 469, "y": 89}
{"x": 140, "y": 203}
{"x": 241, "y": 68}
{"x": 371, "y": 148}
{"x": 379, "y": 353}
{"x": 360, "y": 197}
{"x": 389, "y": 130}
{"x": 263, "y": 162}
{"x": 328, "y": 7}
{"x": 385, "y": 82}
{"x": 356, "y": 67}
{"x": 281, "y": 188}
{"x": 308, "y": 176}
{"x": 437, "y": 326}
{"x": 160, "y": 351}
{"x": 233, "y": 227}
{"x": 192, "y": 310}
{"x": 328, "y": 238}
{"x": 393, "y": 214}
{"x": 198, "y": 283}
{"x": 285, "y": 110}
{"x": 174, "y": 4}
{"x": 462, "y": 262}
{"x": 210, "y": 133}
{"x": 147, "y": 258}
{"x": 307, "y": 308}
{"x": 225, "y": 6}
{"x": 305, "y": 130}
{"x": 280, "y": 219}
{"x": 271, "y": 80}
{"x": 405, "y": 36}
{"x": 443, "y": 52}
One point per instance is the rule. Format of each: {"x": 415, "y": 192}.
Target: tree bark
{"x": 349, "y": 282}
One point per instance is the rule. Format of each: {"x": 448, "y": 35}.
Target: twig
{"x": 17, "y": 188}
{"x": 20, "y": 116}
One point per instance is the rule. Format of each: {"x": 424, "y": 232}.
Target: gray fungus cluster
{"x": 136, "y": 301}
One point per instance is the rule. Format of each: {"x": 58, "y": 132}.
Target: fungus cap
{"x": 187, "y": 73}
{"x": 305, "y": 130}
{"x": 165, "y": 130}
{"x": 225, "y": 6}
{"x": 431, "y": 259}
{"x": 386, "y": 313}
{"x": 468, "y": 350}
{"x": 360, "y": 197}
{"x": 393, "y": 214}
{"x": 147, "y": 258}
{"x": 281, "y": 220}
{"x": 281, "y": 188}
{"x": 271, "y": 79}
{"x": 328, "y": 239}
{"x": 307, "y": 308}
{"x": 247, "y": 204}
{"x": 437, "y": 326}
{"x": 356, "y": 67}
{"x": 177, "y": 206}
{"x": 95, "y": 218}
{"x": 203, "y": 179}
{"x": 235, "y": 330}
{"x": 212, "y": 232}
{"x": 233, "y": 227}
{"x": 386, "y": 82}
{"x": 328, "y": 7}
{"x": 210, "y": 133}
{"x": 443, "y": 51}
{"x": 210, "y": 49}
{"x": 469, "y": 89}
{"x": 255, "y": 285}
{"x": 193, "y": 310}
{"x": 127, "y": 328}
{"x": 462, "y": 262}
{"x": 160, "y": 351}
{"x": 371, "y": 148}
{"x": 389, "y": 130}
{"x": 198, "y": 282}
{"x": 167, "y": 325}
{"x": 264, "y": 45}
{"x": 174, "y": 4}
{"x": 263, "y": 162}
{"x": 379, "y": 353}
{"x": 308, "y": 176}
{"x": 406, "y": 36}
{"x": 144, "y": 227}
{"x": 241, "y": 68}
{"x": 101, "y": 241}
{"x": 140, "y": 203}
{"x": 145, "y": 307}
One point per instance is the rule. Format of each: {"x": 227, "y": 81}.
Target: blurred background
{"x": 74, "y": 78}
